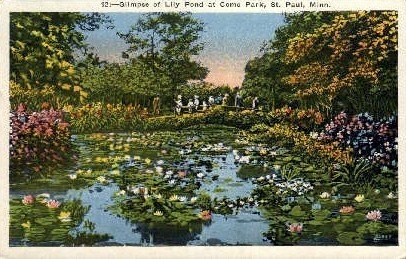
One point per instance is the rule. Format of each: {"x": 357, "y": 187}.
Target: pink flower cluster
{"x": 38, "y": 137}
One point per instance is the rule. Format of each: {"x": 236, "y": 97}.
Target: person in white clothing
{"x": 196, "y": 102}
{"x": 204, "y": 105}
{"x": 190, "y": 105}
{"x": 211, "y": 100}
{"x": 255, "y": 103}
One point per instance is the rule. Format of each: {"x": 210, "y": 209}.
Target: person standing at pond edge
{"x": 178, "y": 107}
{"x": 255, "y": 103}
{"x": 238, "y": 100}
{"x": 211, "y": 101}
{"x": 196, "y": 102}
{"x": 190, "y": 105}
{"x": 225, "y": 100}
{"x": 156, "y": 104}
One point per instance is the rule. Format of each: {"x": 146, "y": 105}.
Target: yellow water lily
{"x": 359, "y": 198}
{"x": 26, "y": 224}
{"x": 64, "y": 216}
{"x": 174, "y": 197}
{"x": 147, "y": 161}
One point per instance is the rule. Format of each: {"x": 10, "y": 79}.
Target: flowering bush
{"x": 38, "y": 138}
{"x": 299, "y": 140}
{"x": 374, "y": 140}
{"x": 33, "y": 98}
{"x": 100, "y": 117}
{"x": 305, "y": 119}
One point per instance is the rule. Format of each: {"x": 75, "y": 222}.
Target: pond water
{"x": 201, "y": 186}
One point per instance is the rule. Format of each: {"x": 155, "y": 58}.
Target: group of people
{"x": 194, "y": 104}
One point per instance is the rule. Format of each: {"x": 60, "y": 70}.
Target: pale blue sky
{"x": 231, "y": 40}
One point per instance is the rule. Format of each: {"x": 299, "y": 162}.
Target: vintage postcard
{"x": 183, "y": 129}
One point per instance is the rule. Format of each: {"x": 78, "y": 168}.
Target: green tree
{"x": 167, "y": 43}
{"x": 43, "y": 46}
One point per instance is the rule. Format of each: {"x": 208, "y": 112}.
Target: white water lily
{"x": 391, "y": 195}
{"x": 73, "y": 176}
{"x": 200, "y": 175}
{"x": 159, "y": 169}
{"x": 235, "y": 152}
{"x": 325, "y": 195}
{"x": 172, "y": 182}
{"x": 158, "y": 213}
{"x": 120, "y": 193}
{"x": 182, "y": 198}
{"x": 169, "y": 173}
{"x": 244, "y": 160}
{"x": 193, "y": 199}
{"x": 160, "y": 162}
{"x": 273, "y": 153}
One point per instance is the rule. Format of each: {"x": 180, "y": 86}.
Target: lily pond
{"x": 207, "y": 185}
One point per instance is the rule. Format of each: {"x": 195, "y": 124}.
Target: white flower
{"x": 244, "y": 159}
{"x": 160, "y": 162}
{"x": 325, "y": 195}
{"x": 158, "y": 196}
{"x": 158, "y": 213}
{"x": 273, "y": 153}
{"x": 120, "y": 193}
{"x": 73, "y": 176}
{"x": 193, "y": 199}
{"x": 172, "y": 182}
{"x": 169, "y": 173}
{"x": 391, "y": 195}
{"x": 182, "y": 198}
{"x": 159, "y": 169}
{"x": 200, "y": 175}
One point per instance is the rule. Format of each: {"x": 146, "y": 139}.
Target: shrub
{"x": 299, "y": 140}
{"x": 100, "y": 117}
{"x": 374, "y": 140}
{"x": 38, "y": 138}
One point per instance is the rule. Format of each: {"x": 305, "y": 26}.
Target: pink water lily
{"x": 53, "y": 204}
{"x": 374, "y": 215}
{"x": 295, "y": 227}
{"x": 28, "y": 199}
